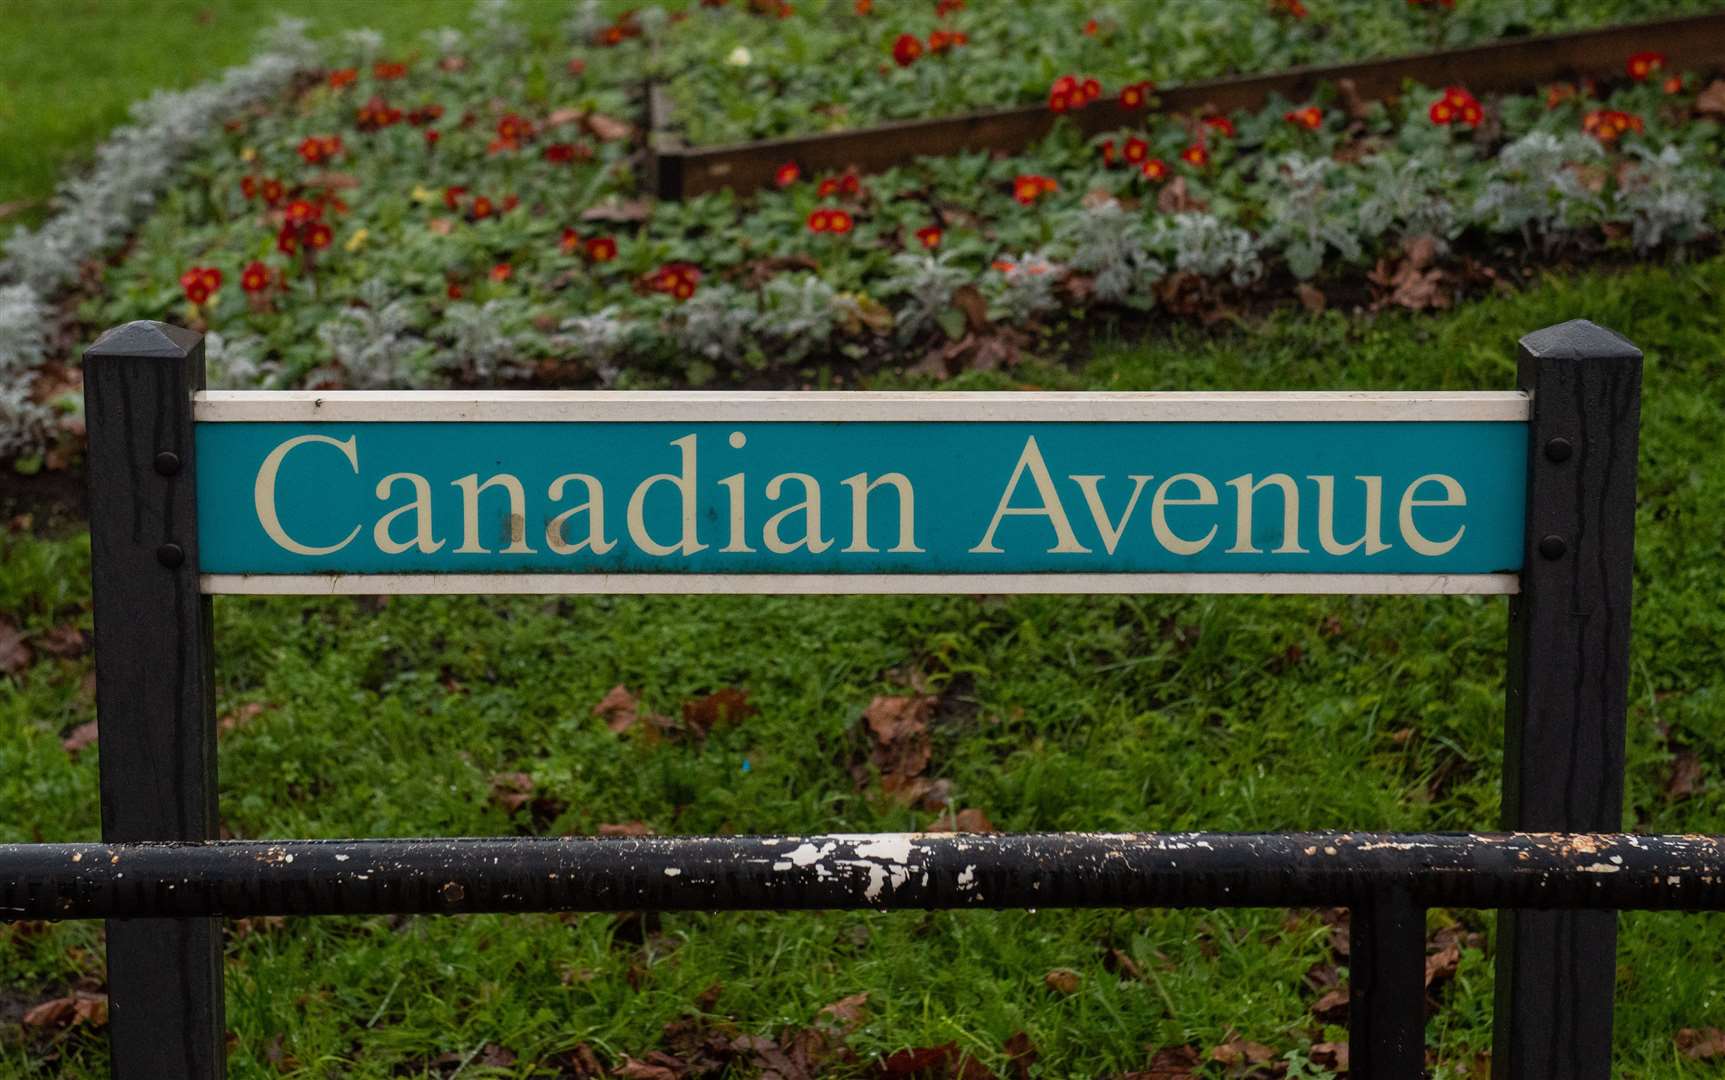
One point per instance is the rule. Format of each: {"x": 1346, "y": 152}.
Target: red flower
{"x": 601, "y": 249}
{"x": 906, "y": 49}
{"x": 571, "y": 242}
{"x": 199, "y": 283}
{"x": 1065, "y": 94}
{"x": 317, "y": 149}
{"x": 482, "y": 208}
{"x": 820, "y": 221}
{"x": 840, "y": 222}
{"x": 1674, "y": 84}
{"x": 1293, "y": 8}
{"x": 1311, "y": 117}
{"x": 301, "y": 211}
{"x": 1457, "y": 106}
{"x": 502, "y": 272}
{"x": 863, "y": 7}
{"x": 1092, "y": 28}
{"x": 1221, "y": 125}
{"x": 787, "y": 174}
{"x": 431, "y": 136}
{"x": 384, "y": 69}
{"x": 425, "y": 114}
{"x": 1195, "y": 155}
{"x": 930, "y": 236}
{"x": 249, "y": 186}
{"x": 1135, "y": 150}
{"x": 514, "y": 129}
{"x": 678, "y": 279}
{"x": 943, "y": 8}
{"x": 343, "y": 77}
{"x": 577, "y": 67}
{"x": 287, "y": 240}
{"x": 941, "y": 40}
{"x": 255, "y": 278}
{"x": 452, "y": 197}
{"x": 376, "y": 114}
{"x": 1090, "y": 90}
{"x": 317, "y": 235}
{"x": 271, "y": 191}
{"x": 1109, "y": 153}
{"x": 1643, "y": 64}
{"x": 1608, "y": 125}
{"x": 453, "y": 291}
{"x": 1137, "y": 95}
{"x": 560, "y": 153}
{"x": 1027, "y": 188}
{"x": 1154, "y": 170}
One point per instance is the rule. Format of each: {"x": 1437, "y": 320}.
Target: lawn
{"x": 349, "y": 717}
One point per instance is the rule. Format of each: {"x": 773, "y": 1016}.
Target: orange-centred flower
{"x": 601, "y": 249}
{"x": 199, "y": 283}
{"x": 1135, "y": 95}
{"x": 1644, "y": 64}
{"x": 787, "y": 174}
{"x": 906, "y": 49}
{"x": 255, "y": 278}
{"x": 1311, "y": 117}
{"x": 1154, "y": 170}
{"x": 929, "y": 236}
{"x": 1029, "y": 187}
{"x": 1195, "y": 155}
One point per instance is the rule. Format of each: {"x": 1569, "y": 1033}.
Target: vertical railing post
{"x": 1387, "y": 988}
{"x": 1568, "y": 689}
{"x": 155, "y": 692}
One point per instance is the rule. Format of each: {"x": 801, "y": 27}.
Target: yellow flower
{"x": 355, "y": 241}
{"x": 423, "y": 194}
{"x": 248, "y": 154}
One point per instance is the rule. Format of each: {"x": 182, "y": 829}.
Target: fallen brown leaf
{"x": 1711, "y": 101}
{"x": 641, "y": 1070}
{"x": 968, "y": 820}
{"x": 15, "y": 654}
{"x": 64, "y": 641}
{"x": 241, "y": 716}
{"x": 901, "y": 750}
{"x": 81, "y": 737}
{"x": 1331, "y": 1055}
{"x": 1170, "y": 1063}
{"x": 1062, "y": 980}
{"x": 1685, "y": 776}
{"x": 78, "y": 1007}
{"x": 512, "y": 790}
{"x": 720, "y": 708}
{"x": 607, "y": 129}
{"x": 1442, "y": 965}
{"x": 626, "y": 828}
{"x": 1238, "y": 1051}
{"x": 1703, "y": 1044}
{"x": 1021, "y": 1054}
{"x": 847, "y": 1012}
{"x": 1332, "y": 1008}
{"x": 617, "y": 709}
{"x": 1311, "y": 297}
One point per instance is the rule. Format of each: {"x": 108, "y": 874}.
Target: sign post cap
{"x": 145, "y": 338}
{"x": 1579, "y": 339}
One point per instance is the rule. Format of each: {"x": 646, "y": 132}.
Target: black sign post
{"x": 155, "y": 691}
{"x": 1568, "y": 688}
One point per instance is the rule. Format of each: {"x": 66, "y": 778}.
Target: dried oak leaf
{"x": 847, "y": 1012}
{"x": 617, "y": 709}
{"x": 901, "y": 748}
{"x": 1685, "y": 776}
{"x": 1711, "y": 101}
{"x": 605, "y": 128}
{"x": 64, "y": 641}
{"x": 968, "y": 820}
{"x": 512, "y": 790}
{"x": 1702, "y": 1044}
{"x": 81, "y": 737}
{"x": 15, "y": 654}
{"x": 1238, "y": 1051}
{"x": 1061, "y": 980}
{"x": 643, "y": 1070}
{"x": 1170, "y": 1063}
{"x": 78, "y": 1007}
{"x": 1332, "y": 1008}
{"x": 720, "y": 708}
{"x": 1021, "y": 1054}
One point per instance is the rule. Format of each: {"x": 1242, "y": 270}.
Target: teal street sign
{"x": 859, "y": 497}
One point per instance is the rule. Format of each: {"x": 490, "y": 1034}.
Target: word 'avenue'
{"x": 861, "y": 497}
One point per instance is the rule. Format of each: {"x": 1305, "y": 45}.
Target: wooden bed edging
{"x": 676, "y": 171}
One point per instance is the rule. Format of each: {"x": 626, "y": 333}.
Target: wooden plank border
{"x": 677, "y": 171}
{"x": 565, "y": 406}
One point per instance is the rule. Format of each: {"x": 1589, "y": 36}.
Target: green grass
{"x": 1062, "y": 713}
{"x": 70, "y": 69}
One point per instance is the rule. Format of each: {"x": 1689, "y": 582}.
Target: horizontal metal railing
{"x": 886, "y": 871}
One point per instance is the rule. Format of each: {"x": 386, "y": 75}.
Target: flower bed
{"x": 469, "y": 216}
{"x": 739, "y": 70}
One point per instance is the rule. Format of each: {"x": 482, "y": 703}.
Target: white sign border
{"x": 814, "y": 406}
{"x": 594, "y": 584}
